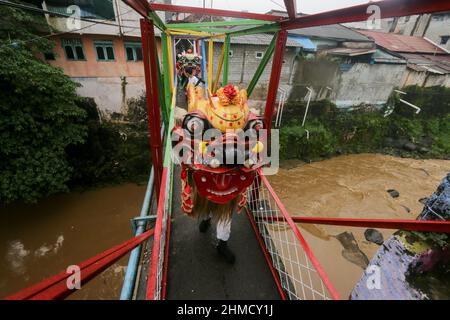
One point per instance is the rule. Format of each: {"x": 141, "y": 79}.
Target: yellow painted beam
{"x": 189, "y": 32}
{"x": 169, "y": 48}
{"x": 219, "y": 69}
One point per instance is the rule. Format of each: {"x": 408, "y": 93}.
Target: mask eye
{"x": 254, "y": 126}
{"x": 194, "y": 125}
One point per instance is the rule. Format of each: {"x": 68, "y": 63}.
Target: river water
{"x": 37, "y": 241}
{"x": 354, "y": 186}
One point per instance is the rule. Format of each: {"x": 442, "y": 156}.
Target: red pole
{"x": 151, "y": 88}
{"x": 387, "y": 9}
{"x": 266, "y": 255}
{"x": 312, "y": 258}
{"x": 214, "y": 12}
{"x": 411, "y": 225}
{"x": 152, "y": 283}
{"x": 55, "y": 287}
{"x": 275, "y": 77}
{"x": 291, "y": 7}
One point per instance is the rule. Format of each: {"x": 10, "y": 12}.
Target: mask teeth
{"x": 222, "y": 193}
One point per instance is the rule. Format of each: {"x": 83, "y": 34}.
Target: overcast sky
{"x": 261, "y": 6}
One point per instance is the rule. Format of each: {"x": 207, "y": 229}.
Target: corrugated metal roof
{"x": 258, "y": 39}
{"x": 305, "y": 42}
{"x": 426, "y": 62}
{"x": 350, "y": 52}
{"x": 381, "y": 56}
{"x": 401, "y": 43}
{"x": 334, "y": 31}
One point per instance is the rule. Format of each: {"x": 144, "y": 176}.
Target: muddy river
{"x": 37, "y": 241}
{"x": 354, "y": 186}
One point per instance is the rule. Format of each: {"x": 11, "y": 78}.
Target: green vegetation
{"x": 114, "y": 151}
{"x": 363, "y": 129}
{"x": 52, "y": 140}
{"x": 39, "y": 117}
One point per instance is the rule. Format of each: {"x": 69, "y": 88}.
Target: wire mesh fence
{"x": 299, "y": 273}
{"x": 155, "y": 288}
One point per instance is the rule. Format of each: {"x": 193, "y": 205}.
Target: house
{"x": 435, "y": 27}
{"x": 103, "y": 56}
{"x": 342, "y": 65}
{"x": 427, "y": 63}
{"x": 245, "y": 55}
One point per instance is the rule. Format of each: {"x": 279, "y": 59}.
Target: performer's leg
{"x": 204, "y": 224}
{"x": 223, "y": 234}
{"x": 223, "y": 230}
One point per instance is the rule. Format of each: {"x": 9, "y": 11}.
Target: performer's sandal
{"x": 204, "y": 225}
{"x": 225, "y": 252}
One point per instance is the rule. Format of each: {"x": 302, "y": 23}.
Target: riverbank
{"x": 394, "y": 130}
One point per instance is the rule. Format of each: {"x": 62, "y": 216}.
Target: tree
{"x": 39, "y": 117}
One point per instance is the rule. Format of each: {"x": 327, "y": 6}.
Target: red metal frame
{"x": 214, "y": 12}
{"x": 291, "y": 7}
{"x": 166, "y": 260}
{"x": 388, "y": 8}
{"x": 266, "y": 255}
{"x": 55, "y": 287}
{"x": 140, "y": 6}
{"x": 152, "y": 273}
{"x": 275, "y": 74}
{"x": 151, "y": 88}
{"x": 411, "y": 225}
{"x": 312, "y": 258}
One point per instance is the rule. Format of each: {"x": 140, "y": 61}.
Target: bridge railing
{"x": 296, "y": 270}
{"x": 156, "y": 285}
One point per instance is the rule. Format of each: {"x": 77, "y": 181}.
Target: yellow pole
{"x": 210, "y": 63}
{"x": 189, "y": 32}
{"x": 219, "y": 68}
{"x": 169, "y": 48}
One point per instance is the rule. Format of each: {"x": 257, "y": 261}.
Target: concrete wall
{"x": 350, "y": 85}
{"x": 424, "y": 79}
{"x": 439, "y": 26}
{"x": 367, "y": 83}
{"x": 111, "y": 93}
{"x": 243, "y": 64}
{"x": 110, "y": 83}
{"x": 90, "y": 67}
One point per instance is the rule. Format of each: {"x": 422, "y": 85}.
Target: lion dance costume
{"x": 212, "y": 188}
{"x": 187, "y": 66}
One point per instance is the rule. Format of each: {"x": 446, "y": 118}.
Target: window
{"x": 104, "y": 50}
{"x": 73, "y": 49}
{"x": 133, "y": 51}
{"x": 444, "y": 39}
{"x": 49, "y": 55}
{"x": 94, "y": 9}
{"x": 230, "y": 53}
{"x": 258, "y": 54}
